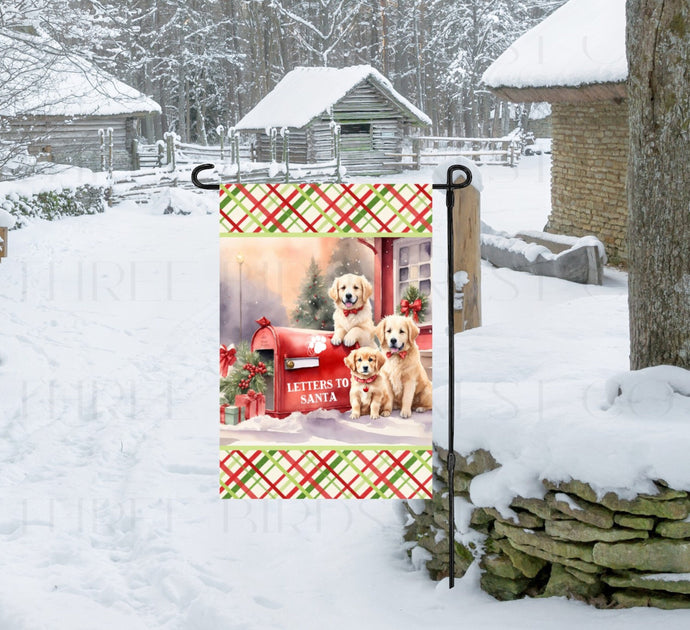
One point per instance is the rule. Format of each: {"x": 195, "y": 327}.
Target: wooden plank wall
{"x": 365, "y": 104}
{"x": 75, "y": 141}
{"x": 298, "y": 147}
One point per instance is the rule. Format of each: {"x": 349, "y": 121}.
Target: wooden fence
{"x": 432, "y": 150}
{"x": 238, "y": 161}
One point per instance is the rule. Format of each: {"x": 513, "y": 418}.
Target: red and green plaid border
{"x": 326, "y": 472}
{"x": 325, "y": 209}
{"x": 355, "y": 210}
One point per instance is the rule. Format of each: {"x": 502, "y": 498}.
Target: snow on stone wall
{"x": 573, "y": 542}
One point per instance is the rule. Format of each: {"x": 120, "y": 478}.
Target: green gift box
{"x": 230, "y": 414}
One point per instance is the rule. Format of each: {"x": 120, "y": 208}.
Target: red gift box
{"x": 252, "y": 403}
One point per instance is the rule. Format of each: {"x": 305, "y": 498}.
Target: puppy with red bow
{"x": 370, "y": 391}
{"x": 403, "y": 367}
{"x": 352, "y": 316}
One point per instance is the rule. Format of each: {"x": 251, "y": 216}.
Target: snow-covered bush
{"x": 54, "y": 204}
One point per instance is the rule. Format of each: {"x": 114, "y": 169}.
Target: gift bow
{"x": 228, "y": 356}
{"x": 252, "y": 394}
{"x": 415, "y": 307}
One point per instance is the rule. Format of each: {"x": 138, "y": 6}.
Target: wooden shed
{"x": 55, "y": 102}
{"x": 373, "y": 118}
{"x": 575, "y": 59}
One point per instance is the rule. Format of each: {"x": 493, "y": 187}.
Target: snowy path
{"x": 109, "y": 466}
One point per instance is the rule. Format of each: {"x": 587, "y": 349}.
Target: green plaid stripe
{"x": 336, "y": 209}
{"x": 326, "y": 472}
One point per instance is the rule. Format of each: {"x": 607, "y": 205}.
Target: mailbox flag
{"x": 309, "y": 275}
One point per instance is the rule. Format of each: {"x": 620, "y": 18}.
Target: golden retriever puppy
{"x": 403, "y": 367}
{"x": 370, "y": 392}
{"x": 352, "y": 317}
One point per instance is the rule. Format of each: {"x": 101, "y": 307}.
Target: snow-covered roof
{"x": 40, "y": 78}
{"x": 581, "y": 43}
{"x": 305, "y": 93}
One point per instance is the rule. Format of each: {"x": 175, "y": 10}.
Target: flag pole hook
{"x": 195, "y": 177}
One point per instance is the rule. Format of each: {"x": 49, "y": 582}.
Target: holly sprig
{"x": 252, "y": 374}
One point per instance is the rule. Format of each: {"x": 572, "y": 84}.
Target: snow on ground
{"x": 330, "y": 427}
{"x": 109, "y": 470}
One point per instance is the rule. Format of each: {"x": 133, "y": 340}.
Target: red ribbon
{"x": 228, "y": 356}
{"x": 415, "y": 307}
{"x": 352, "y": 311}
{"x": 252, "y": 394}
{"x": 371, "y": 379}
{"x": 402, "y": 354}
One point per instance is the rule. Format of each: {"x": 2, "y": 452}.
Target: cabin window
{"x": 413, "y": 268}
{"x": 349, "y": 129}
{"x": 355, "y": 136}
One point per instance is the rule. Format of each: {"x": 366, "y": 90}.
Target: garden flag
{"x": 325, "y": 333}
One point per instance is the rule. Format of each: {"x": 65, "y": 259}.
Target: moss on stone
{"x": 635, "y": 522}
{"x": 648, "y": 555}
{"x": 582, "y": 532}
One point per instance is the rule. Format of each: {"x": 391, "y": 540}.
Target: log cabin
{"x": 54, "y": 103}
{"x": 374, "y": 119}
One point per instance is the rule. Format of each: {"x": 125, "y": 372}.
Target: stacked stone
{"x": 607, "y": 551}
{"x": 590, "y": 161}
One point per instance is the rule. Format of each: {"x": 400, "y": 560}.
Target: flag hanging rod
{"x": 450, "y": 187}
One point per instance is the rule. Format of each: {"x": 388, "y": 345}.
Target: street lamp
{"x": 240, "y": 259}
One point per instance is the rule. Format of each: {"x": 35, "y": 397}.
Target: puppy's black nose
{"x": 348, "y": 296}
{"x": 393, "y": 341}
{"x": 365, "y": 368}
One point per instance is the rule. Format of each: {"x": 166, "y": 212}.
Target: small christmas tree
{"x": 314, "y": 308}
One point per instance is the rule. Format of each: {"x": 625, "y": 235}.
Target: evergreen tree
{"x": 314, "y": 308}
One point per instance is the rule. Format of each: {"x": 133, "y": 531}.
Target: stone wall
{"x": 606, "y": 551}
{"x": 590, "y": 156}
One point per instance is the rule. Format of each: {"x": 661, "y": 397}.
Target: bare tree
{"x": 658, "y": 47}
{"x": 321, "y": 25}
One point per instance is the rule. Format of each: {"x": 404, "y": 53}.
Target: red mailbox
{"x": 309, "y": 372}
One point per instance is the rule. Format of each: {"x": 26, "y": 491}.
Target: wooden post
{"x": 467, "y": 256}
{"x": 286, "y": 154}
{"x": 221, "y": 133}
{"x": 109, "y": 191}
{"x": 3, "y": 244}
{"x": 170, "y": 148}
{"x": 417, "y": 151}
{"x": 171, "y": 151}
{"x": 272, "y": 138}
{"x": 336, "y": 152}
{"x": 110, "y": 151}
{"x": 159, "y": 157}
{"x": 236, "y": 149}
{"x": 135, "y": 154}
{"x": 101, "y": 145}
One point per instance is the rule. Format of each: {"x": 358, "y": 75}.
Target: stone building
{"x": 578, "y": 64}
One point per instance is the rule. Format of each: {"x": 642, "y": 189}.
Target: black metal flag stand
{"x": 450, "y": 187}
